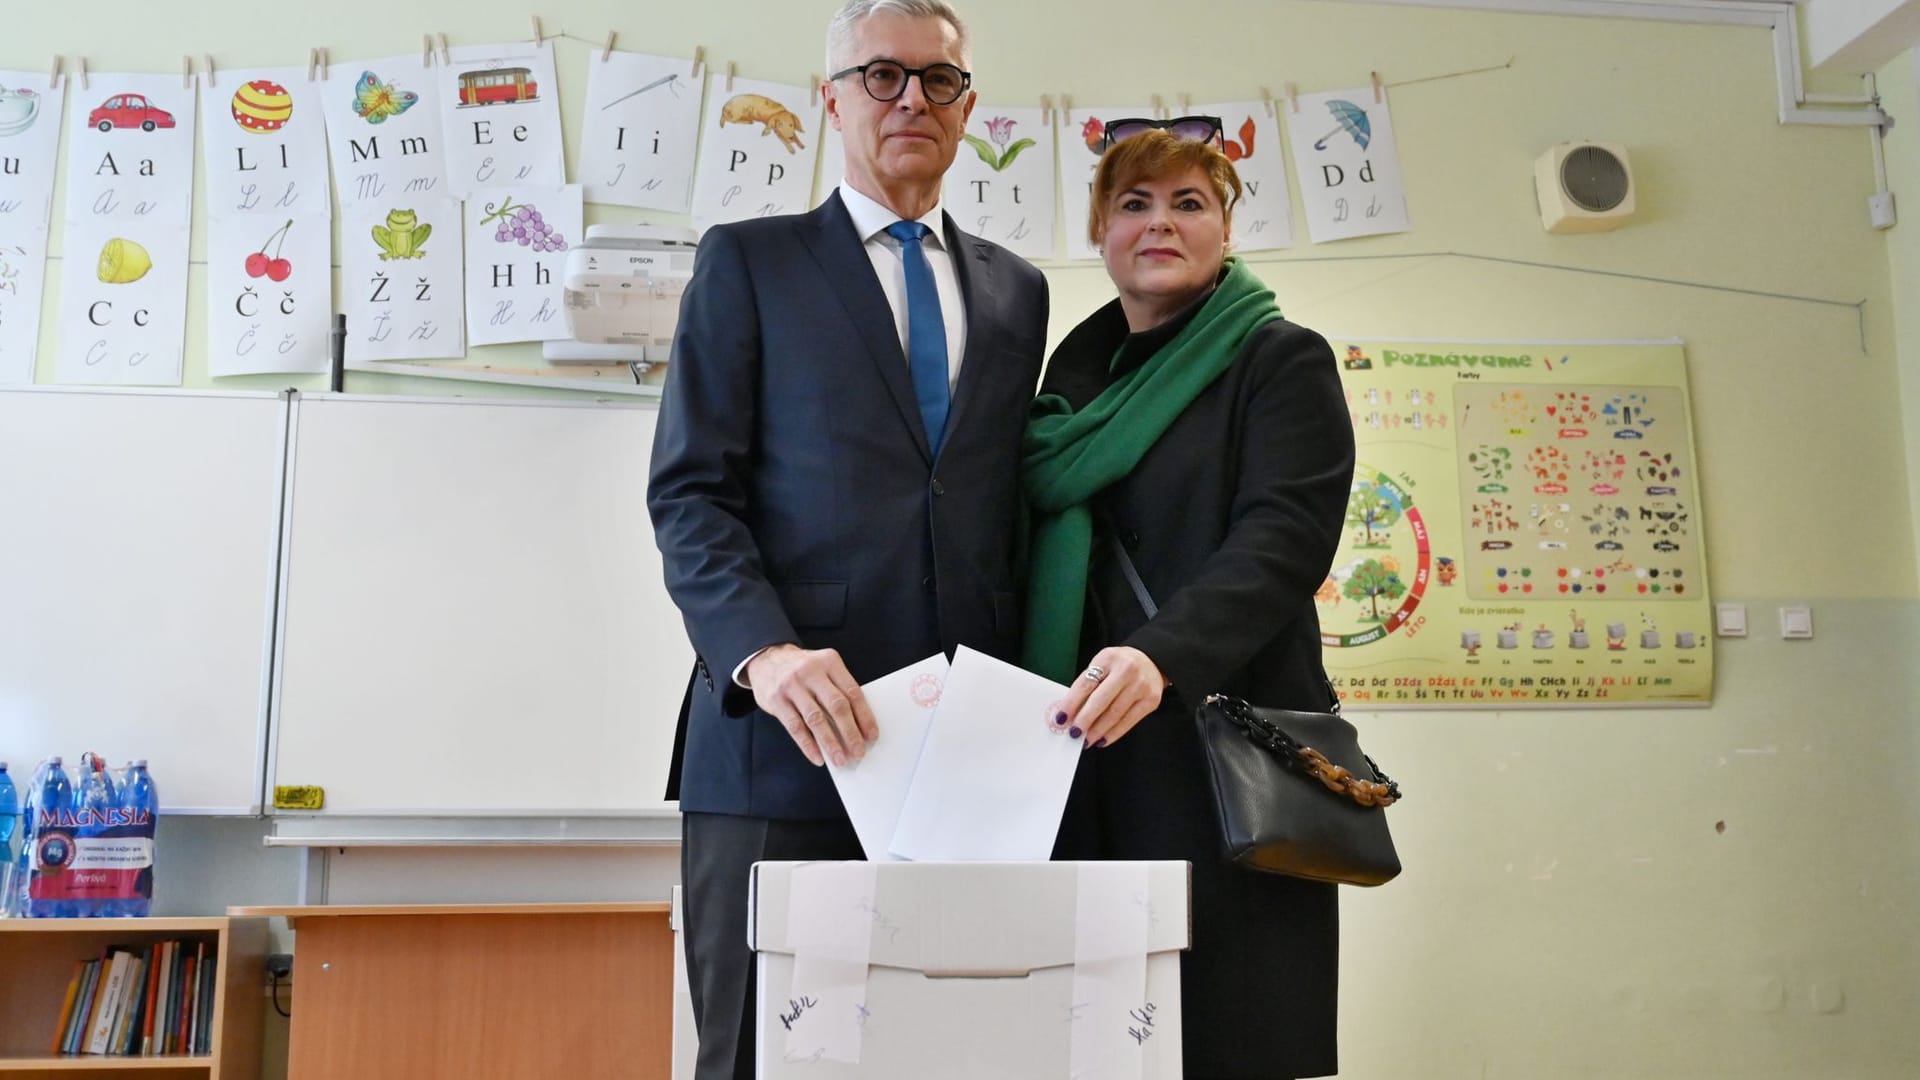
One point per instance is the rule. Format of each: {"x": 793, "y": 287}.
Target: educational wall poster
{"x": 1523, "y": 529}
{"x": 29, "y": 146}
{"x": 123, "y": 282}
{"x": 383, "y": 128}
{"x": 23, "y": 273}
{"x": 640, "y": 130}
{"x": 1082, "y": 130}
{"x": 757, "y": 152}
{"x": 500, "y": 113}
{"x": 269, "y": 294}
{"x": 401, "y": 270}
{"x": 123, "y": 301}
{"x": 270, "y": 223}
{"x": 1001, "y": 185}
{"x": 517, "y": 240}
{"x": 1263, "y": 218}
{"x": 1347, "y": 164}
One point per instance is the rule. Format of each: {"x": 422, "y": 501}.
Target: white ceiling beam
{"x": 1853, "y": 37}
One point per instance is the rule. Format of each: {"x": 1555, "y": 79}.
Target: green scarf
{"x": 1069, "y": 456}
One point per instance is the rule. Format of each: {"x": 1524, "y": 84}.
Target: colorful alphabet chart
{"x": 1523, "y": 529}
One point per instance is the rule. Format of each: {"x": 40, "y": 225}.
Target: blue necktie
{"x": 926, "y": 332}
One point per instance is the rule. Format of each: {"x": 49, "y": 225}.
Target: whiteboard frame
{"x": 263, "y": 722}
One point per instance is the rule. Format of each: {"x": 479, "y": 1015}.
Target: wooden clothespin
{"x": 1186, "y": 105}
{"x": 1046, "y": 108}
{"x": 538, "y": 36}
{"x": 82, "y": 61}
{"x": 426, "y": 50}
{"x": 1379, "y": 95}
{"x": 699, "y": 58}
{"x": 53, "y": 75}
{"x": 446, "y": 54}
{"x": 208, "y": 57}
{"x": 186, "y": 71}
{"x": 1066, "y": 106}
{"x": 813, "y": 95}
{"x": 1159, "y": 110}
{"x": 1266, "y": 98}
{"x": 318, "y": 59}
{"x": 313, "y": 62}
{"x": 607, "y": 52}
{"x": 729, "y": 76}
{"x": 1293, "y": 98}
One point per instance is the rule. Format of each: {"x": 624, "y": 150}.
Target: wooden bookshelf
{"x": 37, "y": 958}
{"x": 503, "y": 991}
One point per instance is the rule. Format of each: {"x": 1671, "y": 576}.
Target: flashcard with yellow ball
{"x": 266, "y": 143}
{"x": 123, "y": 302}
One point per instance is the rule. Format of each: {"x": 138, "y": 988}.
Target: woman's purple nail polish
{"x": 1059, "y": 718}
{"x": 1101, "y": 743}
{"x": 1073, "y": 733}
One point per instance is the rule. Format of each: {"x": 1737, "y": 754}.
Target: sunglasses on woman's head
{"x": 1197, "y": 128}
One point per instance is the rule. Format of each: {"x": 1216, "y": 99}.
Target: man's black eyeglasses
{"x": 1197, "y": 128}
{"x": 886, "y": 80}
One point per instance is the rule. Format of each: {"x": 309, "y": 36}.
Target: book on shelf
{"x": 144, "y": 1001}
{"x": 66, "y": 1009}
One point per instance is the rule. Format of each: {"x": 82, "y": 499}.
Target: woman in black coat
{"x": 1210, "y": 436}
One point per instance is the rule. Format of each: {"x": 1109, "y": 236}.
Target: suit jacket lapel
{"x": 847, "y": 270}
{"x": 973, "y": 266}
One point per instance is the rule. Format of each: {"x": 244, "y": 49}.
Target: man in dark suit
{"x": 834, "y": 486}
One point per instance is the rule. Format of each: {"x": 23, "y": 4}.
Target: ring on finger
{"x": 1094, "y": 673}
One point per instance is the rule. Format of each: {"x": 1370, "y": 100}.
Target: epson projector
{"x": 623, "y": 286}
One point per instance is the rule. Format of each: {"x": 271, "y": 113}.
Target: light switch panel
{"x": 1796, "y": 622}
{"x": 1730, "y": 620}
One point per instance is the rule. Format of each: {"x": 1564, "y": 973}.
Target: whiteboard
{"x": 137, "y": 542}
{"x": 474, "y": 619}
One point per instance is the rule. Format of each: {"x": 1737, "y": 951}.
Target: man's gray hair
{"x": 840, "y": 30}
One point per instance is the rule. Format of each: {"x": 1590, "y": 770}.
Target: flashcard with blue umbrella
{"x": 1353, "y": 121}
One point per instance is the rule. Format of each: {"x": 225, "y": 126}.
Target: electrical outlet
{"x": 280, "y": 965}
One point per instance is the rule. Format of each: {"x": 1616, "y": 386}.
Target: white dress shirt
{"x": 870, "y": 221}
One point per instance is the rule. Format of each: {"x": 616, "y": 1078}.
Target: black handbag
{"x": 1293, "y": 792}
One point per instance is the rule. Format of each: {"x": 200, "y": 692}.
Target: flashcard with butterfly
{"x": 383, "y": 126}
{"x": 264, "y": 142}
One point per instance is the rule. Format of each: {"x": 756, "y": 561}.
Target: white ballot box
{"x": 964, "y": 971}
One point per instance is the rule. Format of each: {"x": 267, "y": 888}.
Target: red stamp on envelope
{"x": 926, "y": 691}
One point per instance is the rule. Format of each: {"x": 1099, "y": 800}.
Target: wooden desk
{"x": 483, "y": 991}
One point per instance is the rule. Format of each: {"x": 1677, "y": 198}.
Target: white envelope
{"x": 874, "y": 788}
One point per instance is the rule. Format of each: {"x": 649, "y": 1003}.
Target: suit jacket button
{"x": 927, "y": 583}
{"x": 939, "y": 488}
{"x": 1132, "y": 540}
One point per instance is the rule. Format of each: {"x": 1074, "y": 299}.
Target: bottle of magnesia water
{"x": 95, "y": 810}
{"x": 47, "y": 848}
{"x": 9, "y": 818}
{"x": 141, "y": 801}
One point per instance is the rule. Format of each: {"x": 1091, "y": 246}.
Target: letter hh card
{"x": 1263, "y": 218}
{"x": 1001, "y": 183}
{"x": 757, "y": 155}
{"x": 265, "y": 143}
{"x": 641, "y": 126}
{"x": 500, "y": 112}
{"x": 383, "y": 127}
{"x": 1081, "y": 133}
{"x": 400, "y": 274}
{"x": 517, "y": 241}
{"x": 1348, "y": 165}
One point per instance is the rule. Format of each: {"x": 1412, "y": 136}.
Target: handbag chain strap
{"x": 1381, "y": 791}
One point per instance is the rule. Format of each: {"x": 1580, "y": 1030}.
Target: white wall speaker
{"x": 1584, "y": 187}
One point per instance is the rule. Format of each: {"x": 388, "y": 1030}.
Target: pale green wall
{"x": 1570, "y": 908}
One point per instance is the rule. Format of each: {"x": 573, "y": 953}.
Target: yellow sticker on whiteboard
{"x": 299, "y": 797}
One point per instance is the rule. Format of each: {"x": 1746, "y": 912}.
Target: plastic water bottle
{"x": 51, "y": 793}
{"x": 9, "y": 817}
{"x": 93, "y": 803}
{"x": 141, "y": 800}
